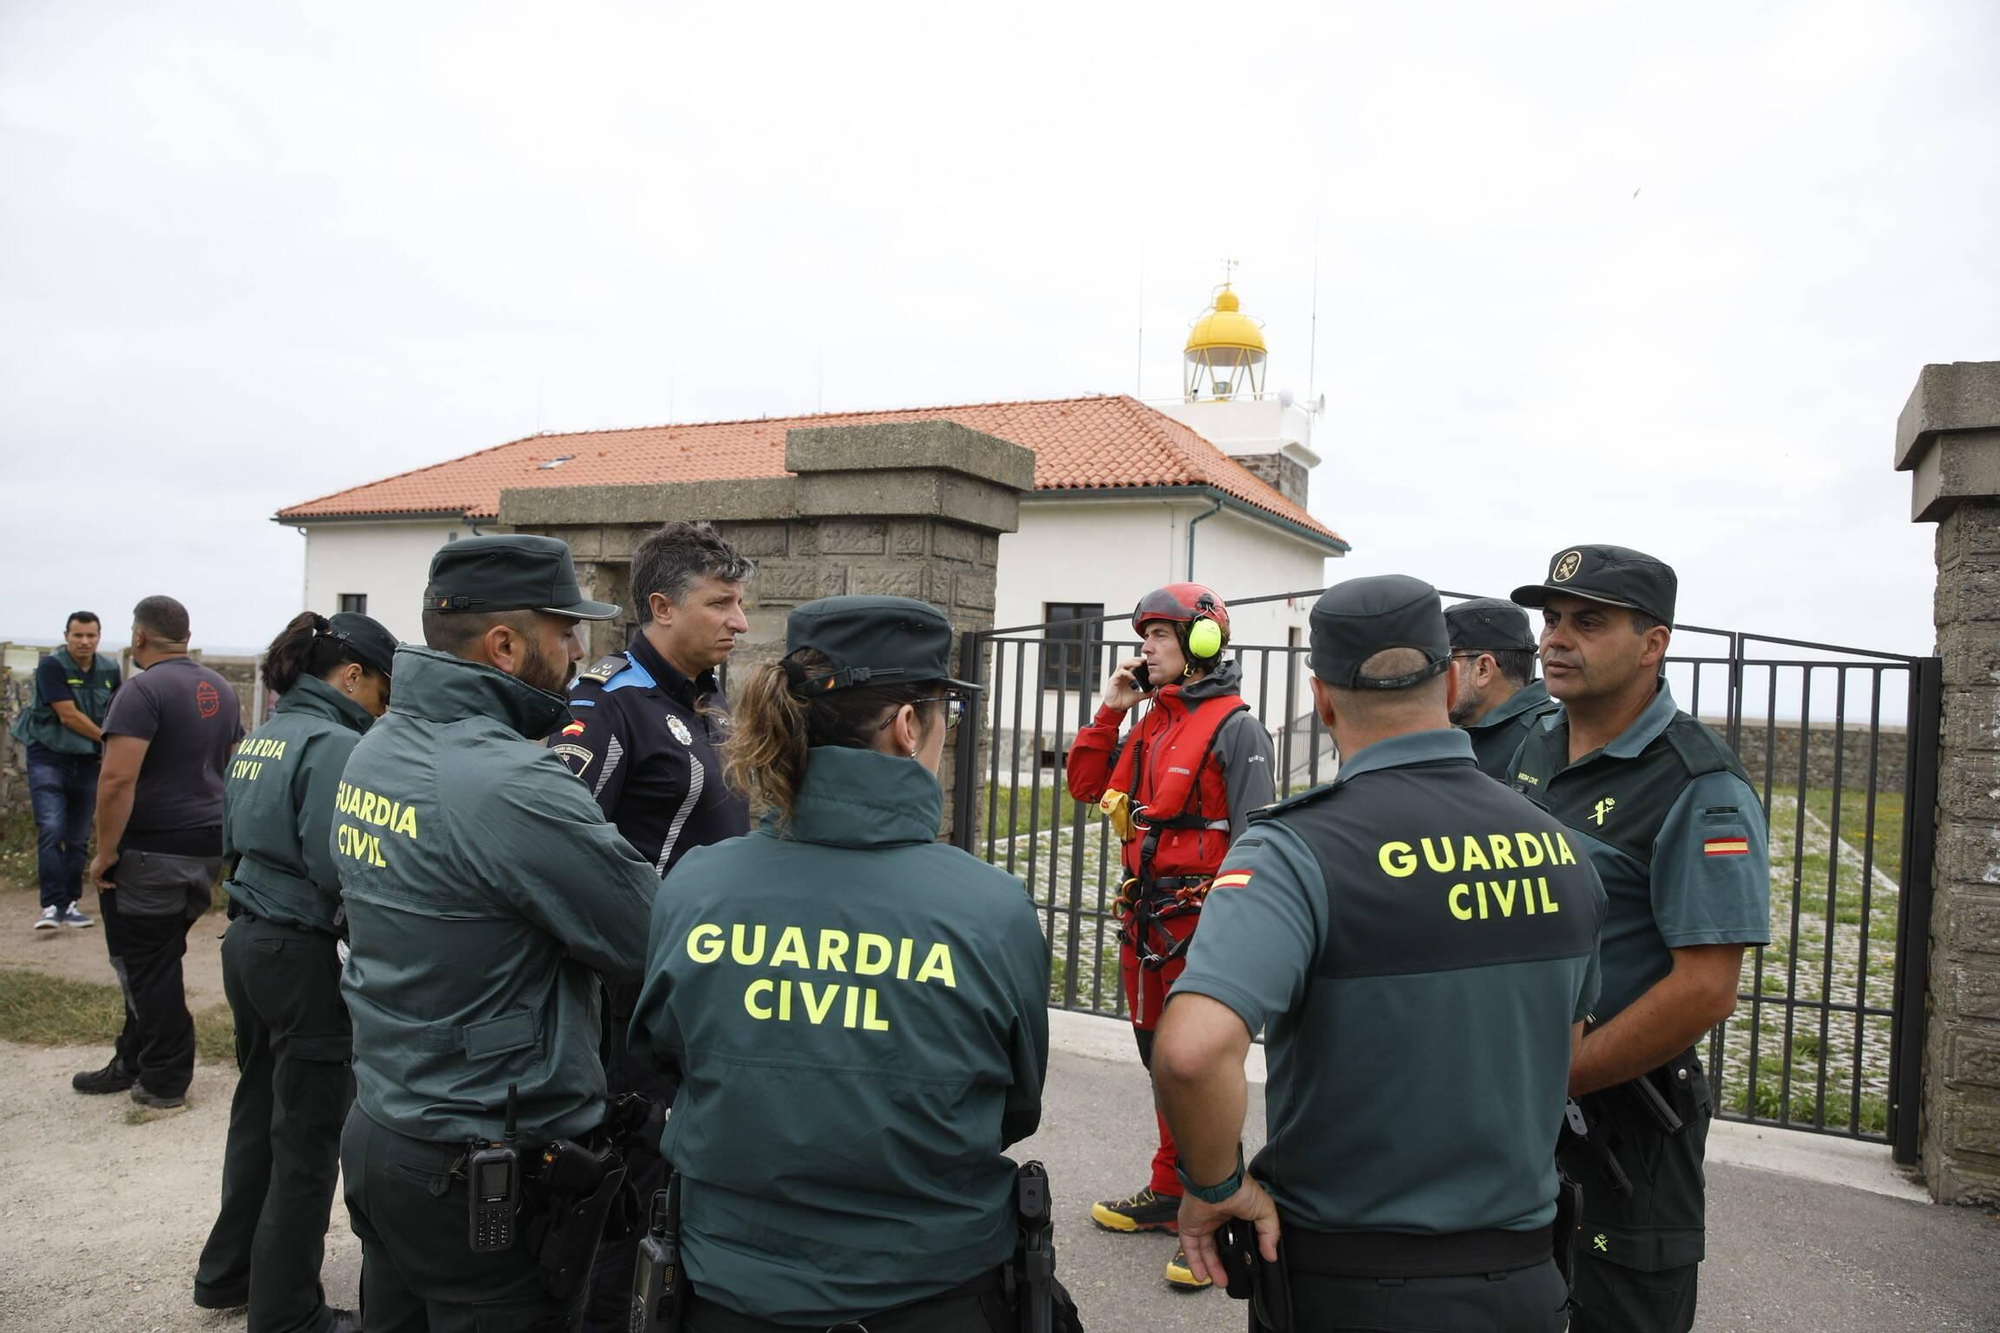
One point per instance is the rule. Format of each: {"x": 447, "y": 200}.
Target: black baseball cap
{"x": 1488, "y": 624}
{"x": 1613, "y": 575}
{"x": 1355, "y": 620}
{"x": 871, "y": 641}
{"x": 510, "y": 572}
{"x": 368, "y": 638}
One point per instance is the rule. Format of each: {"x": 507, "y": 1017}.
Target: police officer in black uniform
{"x": 1674, "y": 827}
{"x": 644, "y": 734}
{"x": 1419, "y": 944}
{"x": 1499, "y": 699}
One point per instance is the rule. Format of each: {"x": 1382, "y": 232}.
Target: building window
{"x": 1075, "y": 634}
{"x": 354, "y": 602}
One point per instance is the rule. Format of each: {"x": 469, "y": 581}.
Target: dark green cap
{"x": 1487, "y": 624}
{"x": 368, "y": 638}
{"x": 1613, "y": 575}
{"x": 870, "y": 641}
{"x": 1355, "y": 620}
{"x": 511, "y": 572}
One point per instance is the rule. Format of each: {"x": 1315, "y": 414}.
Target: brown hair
{"x": 766, "y": 753}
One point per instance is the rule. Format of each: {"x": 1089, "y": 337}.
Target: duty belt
{"x": 1404, "y": 1254}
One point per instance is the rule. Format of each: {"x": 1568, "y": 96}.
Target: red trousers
{"x": 1145, "y": 998}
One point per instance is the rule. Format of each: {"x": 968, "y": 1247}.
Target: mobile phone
{"x": 493, "y": 1184}
{"x": 1140, "y": 680}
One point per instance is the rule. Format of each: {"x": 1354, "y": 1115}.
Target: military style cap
{"x": 511, "y": 572}
{"x": 1487, "y": 624}
{"x": 1613, "y": 575}
{"x": 368, "y": 638}
{"x": 1355, "y": 620}
{"x": 870, "y": 641}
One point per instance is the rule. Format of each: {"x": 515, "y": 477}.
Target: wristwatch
{"x": 1219, "y": 1191}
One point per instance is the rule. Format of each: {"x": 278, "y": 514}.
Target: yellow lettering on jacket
{"x": 820, "y": 1003}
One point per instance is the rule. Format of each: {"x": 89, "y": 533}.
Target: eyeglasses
{"x": 952, "y": 716}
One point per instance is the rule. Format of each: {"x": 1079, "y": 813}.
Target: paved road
{"x": 1785, "y": 1255}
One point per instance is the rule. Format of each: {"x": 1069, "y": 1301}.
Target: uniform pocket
{"x": 315, "y": 1080}
{"x": 499, "y": 1036}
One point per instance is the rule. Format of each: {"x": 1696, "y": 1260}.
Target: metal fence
{"x": 1841, "y": 744}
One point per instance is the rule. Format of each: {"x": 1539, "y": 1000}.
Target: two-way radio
{"x": 493, "y": 1189}
{"x": 659, "y": 1291}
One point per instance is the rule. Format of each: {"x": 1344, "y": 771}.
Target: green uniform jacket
{"x": 277, "y": 801}
{"x": 858, "y": 1015}
{"x": 1499, "y": 734}
{"x": 484, "y": 892}
{"x": 90, "y": 690}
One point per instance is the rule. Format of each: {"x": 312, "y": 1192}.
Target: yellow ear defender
{"x": 1204, "y": 638}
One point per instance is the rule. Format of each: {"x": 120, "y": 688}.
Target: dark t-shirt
{"x": 190, "y": 716}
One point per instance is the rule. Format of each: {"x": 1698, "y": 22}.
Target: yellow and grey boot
{"x": 1180, "y": 1277}
{"x": 1148, "y": 1210}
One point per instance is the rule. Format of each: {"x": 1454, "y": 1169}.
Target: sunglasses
{"x": 952, "y": 717}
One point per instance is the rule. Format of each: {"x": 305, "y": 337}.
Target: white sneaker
{"x": 72, "y": 917}
{"x": 50, "y": 918}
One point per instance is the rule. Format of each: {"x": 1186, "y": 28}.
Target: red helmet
{"x": 1183, "y": 604}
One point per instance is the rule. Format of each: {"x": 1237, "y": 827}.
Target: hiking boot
{"x": 72, "y": 917}
{"x": 50, "y": 918}
{"x": 1180, "y": 1277}
{"x": 1148, "y": 1210}
{"x": 114, "y": 1077}
{"x": 154, "y": 1101}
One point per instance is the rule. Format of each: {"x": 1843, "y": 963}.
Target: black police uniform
{"x": 281, "y": 972}
{"x": 646, "y": 740}
{"x": 1418, "y": 943}
{"x": 1487, "y": 624}
{"x": 1674, "y": 827}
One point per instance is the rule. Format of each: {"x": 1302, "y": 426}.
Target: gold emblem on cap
{"x": 1566, "y": 566}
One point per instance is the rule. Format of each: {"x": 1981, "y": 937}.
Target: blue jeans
{"x": 63, "y": 788}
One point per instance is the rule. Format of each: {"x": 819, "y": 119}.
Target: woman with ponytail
{"x": 856, "y": 1013}
{"x": 281, "y": 972}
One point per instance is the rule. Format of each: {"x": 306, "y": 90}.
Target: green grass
{"x": 41, "y": 1010}
{"x": 1031, "y": 808}
{"x": 17, "y": 850}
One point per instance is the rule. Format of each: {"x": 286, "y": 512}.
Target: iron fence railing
{"x": 1840, "y": 743}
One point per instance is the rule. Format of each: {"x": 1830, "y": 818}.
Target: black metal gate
{"x": 1841, "y": 743}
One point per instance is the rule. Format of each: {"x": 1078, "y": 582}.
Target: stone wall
{"x": 906, "y": 509}
{"x": 1286, "y": 476}
{"x": 1949, "y": 438}
{"x": 1891, "y": 755}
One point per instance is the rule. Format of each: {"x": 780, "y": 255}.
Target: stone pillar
{"x": 1948, "y": 437}
{"x": 914, "y": 509}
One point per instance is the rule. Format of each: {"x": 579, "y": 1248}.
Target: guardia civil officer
{"x": 281, "y": 972}
{"x": 1670, "y": 819}
{"x": 1499, "y": 698}
{"x": 1179, "y": 788}
{"x": 856, "y": 1012}
{"x": 1419, "y": 945}
{"x": 485, "y": 896}
{"x": 645, "y": 729}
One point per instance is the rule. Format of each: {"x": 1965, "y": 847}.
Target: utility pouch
{"x": 1266, "y": 1286}
{"x": 579, "y": 1189}
{"x": 1117, "y": 806}
{"x": 1569, "y": 1220}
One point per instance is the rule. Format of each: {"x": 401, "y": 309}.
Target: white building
{"x": 1127, "y": 496}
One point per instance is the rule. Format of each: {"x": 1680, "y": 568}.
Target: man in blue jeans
{"x": 62, "y": 734}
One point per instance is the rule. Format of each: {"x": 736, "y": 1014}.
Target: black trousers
{"x": 157, "y": 1041}
{"x": 983, "y": 1311}
{"x": 418, "y": 1270}
{"x": 1638, "y": 1256}
{"x": 1525, "y": 1300}
{"x": 294, "y": 1085}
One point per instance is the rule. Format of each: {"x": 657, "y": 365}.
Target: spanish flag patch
{"x": 573, "y": 729}
{"x": 1726, "y": 846}
{"x": 1232, "y": 879}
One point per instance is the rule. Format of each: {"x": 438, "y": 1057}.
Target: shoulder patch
{"x": 1700, "y": 750}
{"x": 1286, "y": 806}
{"x": 603, "y": 669}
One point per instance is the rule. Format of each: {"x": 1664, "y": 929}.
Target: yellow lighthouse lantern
{"x": 1225, "y": 353}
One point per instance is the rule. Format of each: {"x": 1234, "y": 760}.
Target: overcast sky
{"x": 1658, "y": 275}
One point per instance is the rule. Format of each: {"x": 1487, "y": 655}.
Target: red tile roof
{"x": 1080, "y": 444}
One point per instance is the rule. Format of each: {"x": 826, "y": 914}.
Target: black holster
{"x": 1569, "y": 1220}
{"x": 575, "y": 1192}
{"x": 1038, "y": 1299}
{"x": 1267, "y": 1286}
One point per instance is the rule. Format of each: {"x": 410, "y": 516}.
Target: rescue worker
{"x": 856, "y": 1013}
{"x": 1673, "y": 825}
{"x": 644, "y": 732}
{"x": 1499, "y": 698}
{"x": 1179, "y": 789}
{"x": 281, "y": 972}
{"x": 485, "y": 895}
{"x": 1419, "y": 945}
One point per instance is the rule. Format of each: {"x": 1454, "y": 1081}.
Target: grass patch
{"x": 17, "y": 849}
{"x": 40, "y": 1010}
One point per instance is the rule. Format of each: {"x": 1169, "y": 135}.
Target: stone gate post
{"x": 1948, "y": 438}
